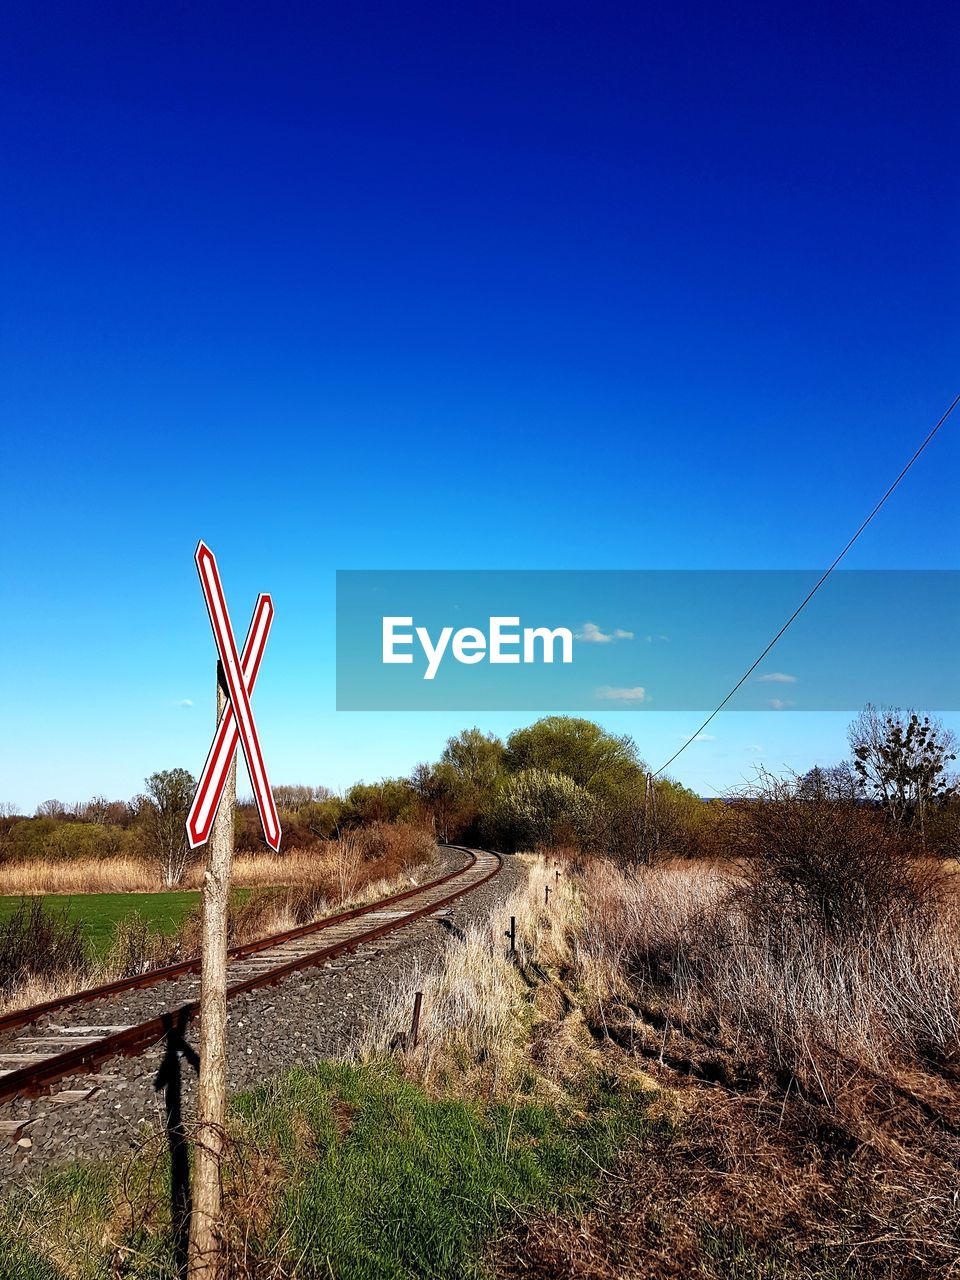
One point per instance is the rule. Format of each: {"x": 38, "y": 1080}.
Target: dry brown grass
{"x": 106, "y": 875}
{"x": 340, "y": 866}
{"x": 136, "y": 875}
{"x": 476, "y": 1013}
{"x": 772, "y": 985}
{"x": 809, "y": 1085}
{"x": 752, "y": 1187}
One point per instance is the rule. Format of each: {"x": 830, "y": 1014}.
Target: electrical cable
{"x": 810, "y": 594}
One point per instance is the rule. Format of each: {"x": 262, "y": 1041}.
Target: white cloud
{"x": 705, "y": 737}
{"x": 777, "y": 677}
{"x": 636, "y": 694}
{"x": 780, "y": 704}
{"x": 590, "y": 633}
{"x": 186, "y": 702}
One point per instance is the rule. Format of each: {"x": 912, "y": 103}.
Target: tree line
{"x": 148, "y": 826}
{"x": 563, "y": 781}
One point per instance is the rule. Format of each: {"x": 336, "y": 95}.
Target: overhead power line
{"x": 811, "y": 593}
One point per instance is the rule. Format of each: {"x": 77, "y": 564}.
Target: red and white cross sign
{"x": 237, "y": 724}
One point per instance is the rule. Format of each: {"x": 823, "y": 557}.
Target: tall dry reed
{"x": 343, "y": 865}
{"x": 772, "y": 981}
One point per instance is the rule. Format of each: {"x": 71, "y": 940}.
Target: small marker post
{"x": 546, "y": 895}
{"x": 511, "y": 933}
{"x": 415, "y": 1021}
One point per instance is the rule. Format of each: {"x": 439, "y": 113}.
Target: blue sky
{"x": 535, "y": 286}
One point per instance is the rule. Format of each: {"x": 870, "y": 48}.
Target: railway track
{"x": 47, "y": 1043}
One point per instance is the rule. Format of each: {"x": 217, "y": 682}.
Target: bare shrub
{"x": 164, "y": 816}
{"x": 821, "y": 1004}
{"x": 831, "y": 862}
{"x": 135, "y": 948}
{"x": 37, "y": 943}
{"x": 396, "y": 845}
{"x": 348, "y": 859}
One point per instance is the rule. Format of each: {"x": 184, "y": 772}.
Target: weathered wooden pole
{"x": 206, "y": 1222}
{"x": 646, "y": 817}
{"x": 656, "y": 820}
{"x": 511, "y": 933}
{"x": 415, "y": 1021}
{"x": 546, "y": 895}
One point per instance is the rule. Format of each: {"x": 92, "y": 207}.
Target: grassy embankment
{"x": 346, "y": 1170}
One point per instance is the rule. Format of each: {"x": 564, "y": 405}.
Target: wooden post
{"x": 646, "y": 817}
{"x": 206, "y": 1245}
{"x": 415, "y": 1021}
{"x": 512, "y": 934}
{"x": 546, "y": 895}
{"x": 656, "y": 822}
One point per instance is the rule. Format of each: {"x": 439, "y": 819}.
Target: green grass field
{"x": 99, "y": 913}
{"x": 356, "y": 1173}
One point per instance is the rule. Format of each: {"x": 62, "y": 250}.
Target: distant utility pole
{"x": 647, "y": 817}
{"x": 207, "y": 1211}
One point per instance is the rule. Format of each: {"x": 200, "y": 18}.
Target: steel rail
{"x": 85, "y": 1059}
{"x": 168, "y": 973}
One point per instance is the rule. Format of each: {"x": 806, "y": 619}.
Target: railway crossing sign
{"x": 236, "y": 725}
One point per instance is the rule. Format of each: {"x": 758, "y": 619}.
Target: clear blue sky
{"x": 508, "y": 286}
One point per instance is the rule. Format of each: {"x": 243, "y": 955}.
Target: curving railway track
{"x": 47, "y": 1043}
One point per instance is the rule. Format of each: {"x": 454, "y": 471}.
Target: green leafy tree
{"x": 458, "y": 790}
{"x": 536, "y": 807}
{"x": 600, "y": 762}
{"x": 392, "y": 800}
{"x": 477, "y": 757}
